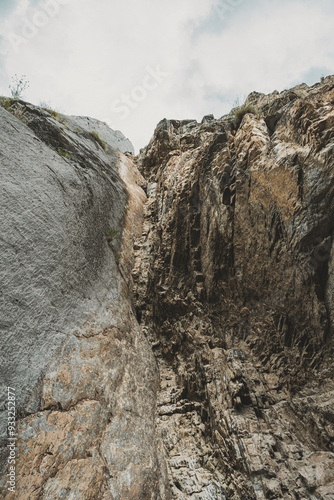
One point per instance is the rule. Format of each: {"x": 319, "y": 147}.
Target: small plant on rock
{"x": 19, "y": 85}
{"x": 112, "y": 235}
{"x": 65, "y": 154}
{"x": 98, "y": 139}
{"x": 54, "y": 114}
{"x": 17, "y": 109}
{"x": 6, "y": 103}
{"x": 243, "y": 110}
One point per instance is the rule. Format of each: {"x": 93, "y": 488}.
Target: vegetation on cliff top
{"x": 243, "y": 110}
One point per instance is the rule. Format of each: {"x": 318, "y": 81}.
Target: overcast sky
{"x": 133, "y": 62}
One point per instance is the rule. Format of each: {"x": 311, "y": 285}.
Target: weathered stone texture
{"x": 177, "y": 344}
{"x": 84, "y": 374}
{"x": 234, "y": 288}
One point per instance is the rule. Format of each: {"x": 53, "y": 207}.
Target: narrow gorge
{"x": 167, "y": 318}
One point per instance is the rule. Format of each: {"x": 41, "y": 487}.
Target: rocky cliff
{"x": 84, "y": 375}
{"x": 178, "y": 342}
{"x": 234, "y": 289}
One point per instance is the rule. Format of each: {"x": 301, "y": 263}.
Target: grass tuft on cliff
{"x": 243, "y": 110}
{"x": 98, "y": 139}
{"x": 16, "y": 108}
{"x": 65, "y": 154}
{"x": 54, "y": 114}
{"x": 6, "y": 103}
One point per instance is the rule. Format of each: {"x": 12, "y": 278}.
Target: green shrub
{"x": 6, "y": 103}
{"x": 98, "y": 139}
{"x": 17, "y": 109}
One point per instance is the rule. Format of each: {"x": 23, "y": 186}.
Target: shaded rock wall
{"x": 234, "y": 288}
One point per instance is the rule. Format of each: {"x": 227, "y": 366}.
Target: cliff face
{"x": 178, "y": 343}
{"x": 234, "y": 288}
{"x": 83, "y": 373}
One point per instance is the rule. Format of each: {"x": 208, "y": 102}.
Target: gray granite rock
{"x": 84, "y": 375}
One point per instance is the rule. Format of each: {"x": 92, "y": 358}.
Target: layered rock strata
{"x": 234, "y": 289}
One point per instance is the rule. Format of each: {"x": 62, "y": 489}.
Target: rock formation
{"x": 234, "y": 288}
{"x": 84, "y": 374}
{"x": 176, "y": 344}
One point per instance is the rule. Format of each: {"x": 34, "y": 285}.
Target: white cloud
{"x": 268, "y": 48}
{"x": 92, "y": 54}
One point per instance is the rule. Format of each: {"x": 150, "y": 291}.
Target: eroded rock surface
{"x": 179, "y": 343}
{"x": 84, "y": 374}
{"x": 234, "y": 289}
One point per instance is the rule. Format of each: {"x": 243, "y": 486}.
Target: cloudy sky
{"x": 133, "y": 62}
